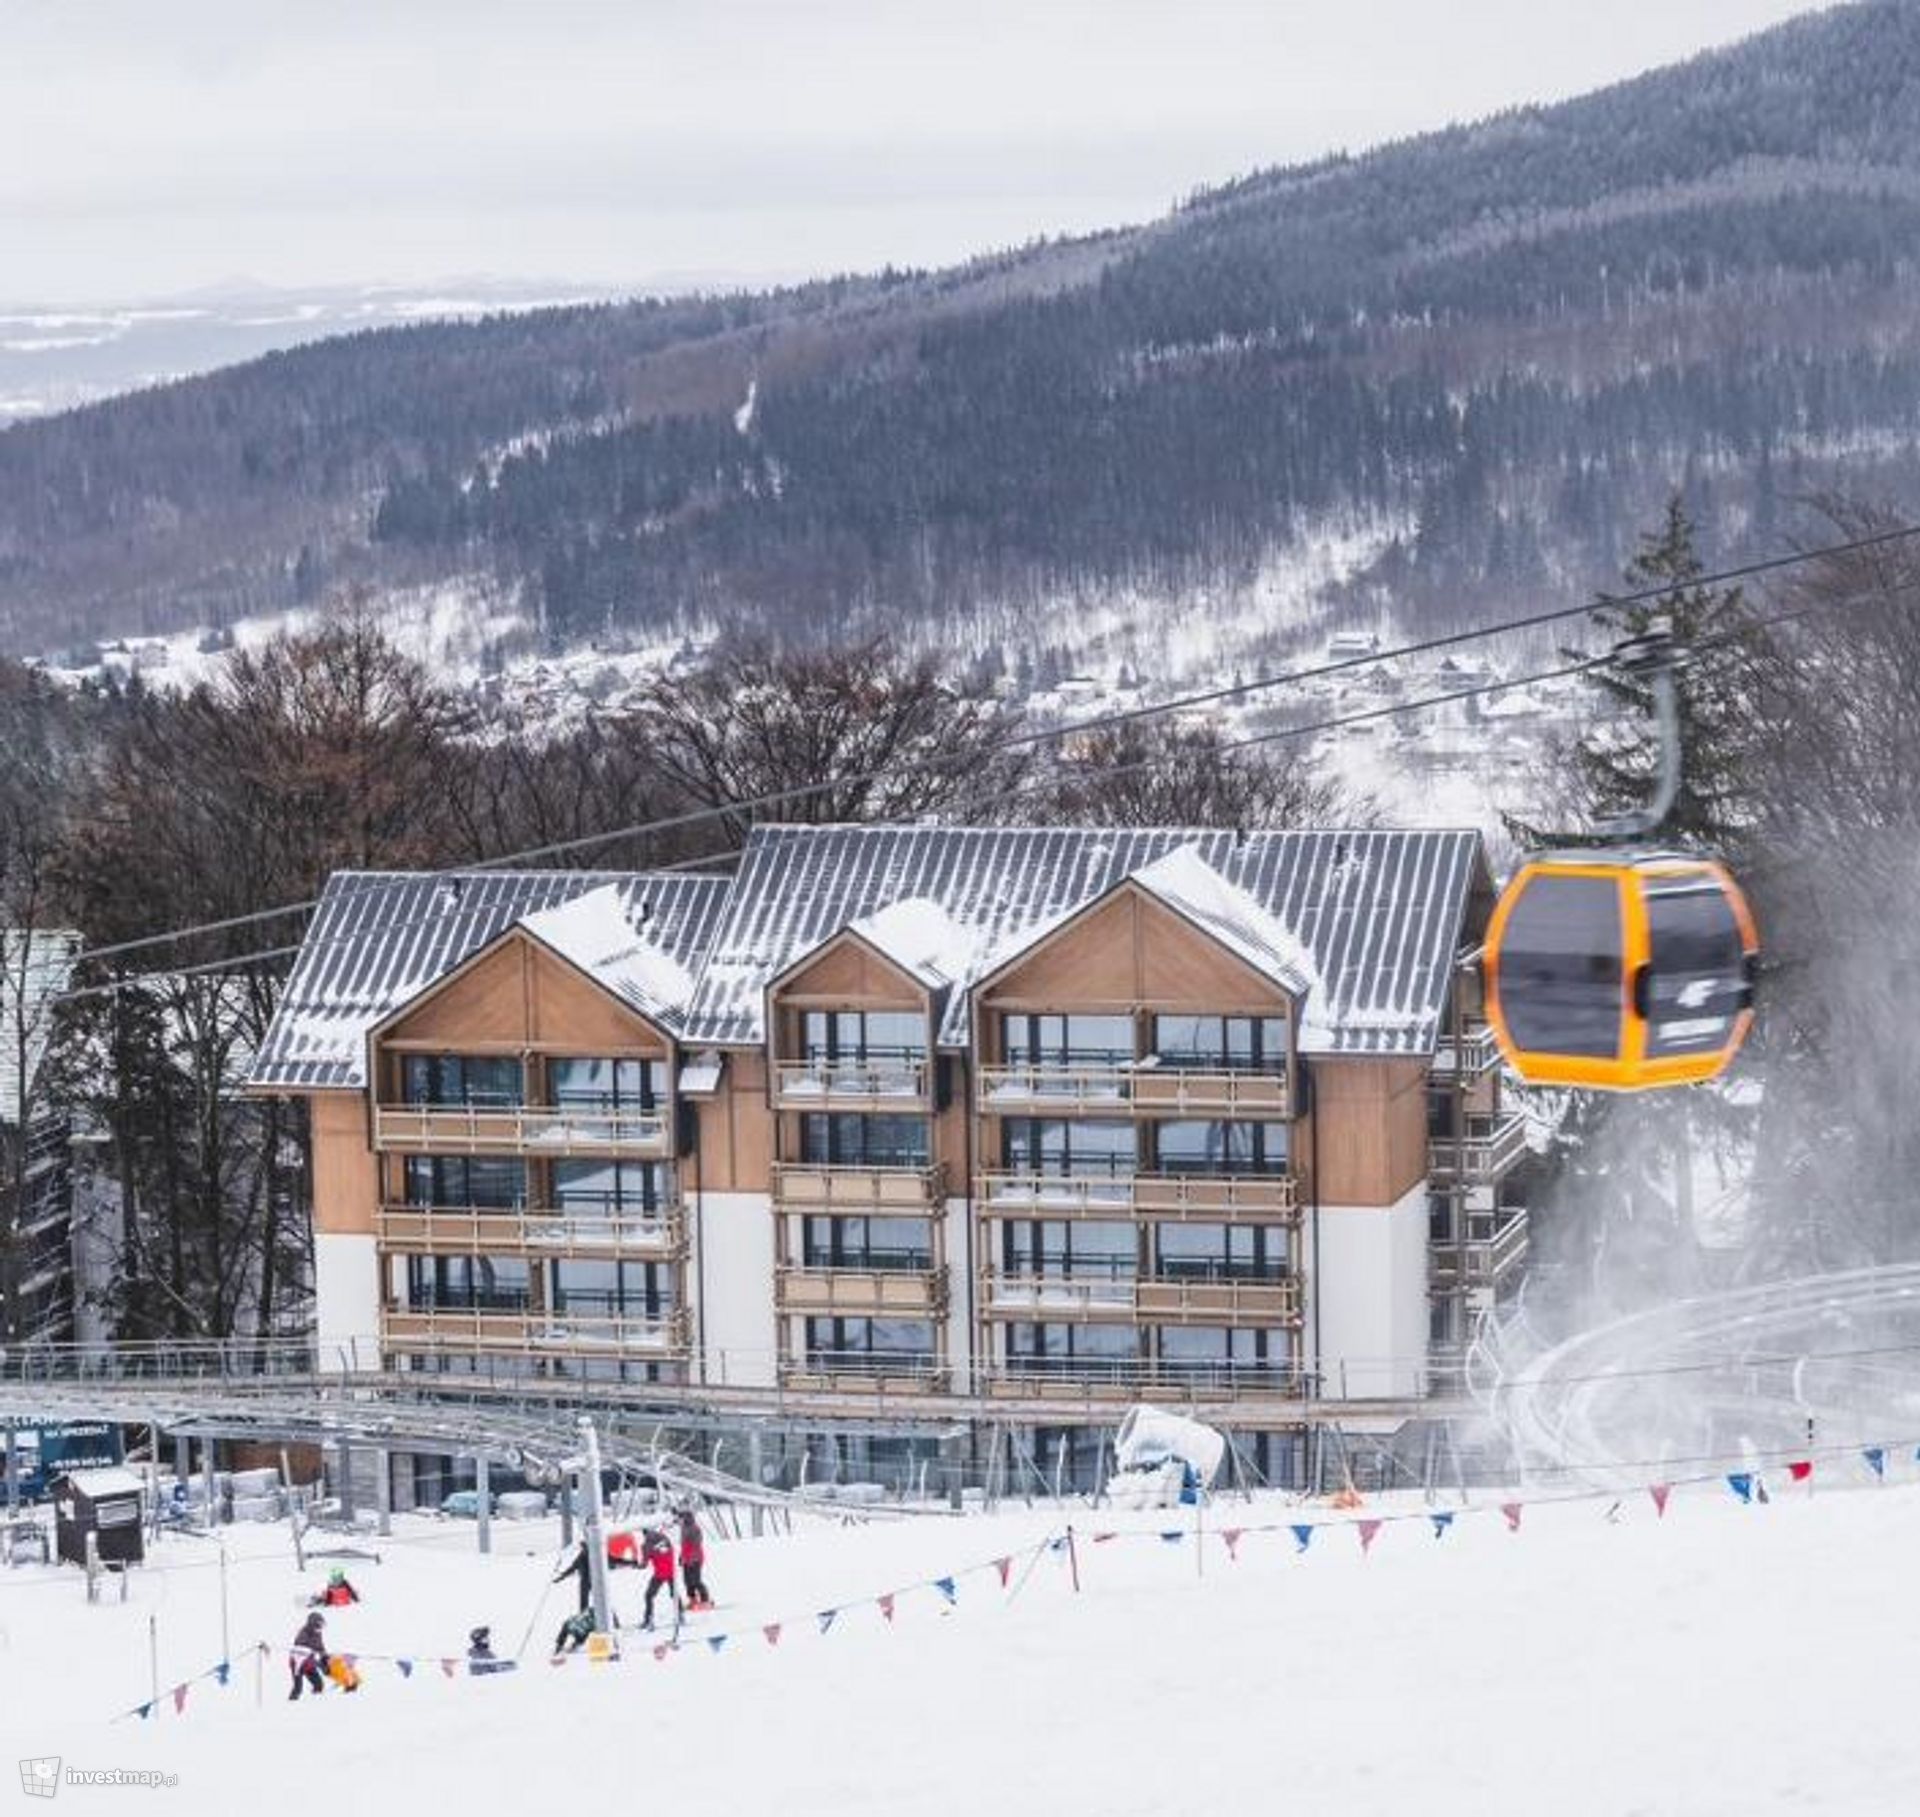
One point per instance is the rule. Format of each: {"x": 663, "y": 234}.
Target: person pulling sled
{"x": 307, "y": 1660}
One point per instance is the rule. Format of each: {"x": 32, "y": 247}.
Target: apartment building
{"x": 1009, "y": 1120}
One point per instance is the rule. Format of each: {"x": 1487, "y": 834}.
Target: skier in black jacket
{"x": 579, "y": 1567}
{"x": 307, "y": 1659}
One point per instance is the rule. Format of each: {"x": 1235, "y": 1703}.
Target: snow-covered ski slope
{"x": 1596, "y": 1658}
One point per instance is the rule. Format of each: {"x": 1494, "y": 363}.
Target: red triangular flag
{"x": 661, "y": 1650}
{"x": 1800, "y": 1472}
{"x": 1369, "y": 1531}
{"x": 1512, "y": 1511}
{"x": 772, "y": 1632}
{"x": 446, "y": 1665}
{"x": 886, "y": 1605}
{"x": 1100, "y": 1539}
{"x": 179, "y": 1698}
{"x": 1005, "y": 1567}
{"x": 1232, "y": 1536}
{"x": 1660, "y": 1492}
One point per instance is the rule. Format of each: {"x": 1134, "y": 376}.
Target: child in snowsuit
{"x": 338, "y": 1592}
{"x": 657, "y": 1549}
{"x": 693, "y": 1561}
{"x": 307, "y": 1660}
{"x": 481, "y": 1658}
{"x": 573, "y": 1633}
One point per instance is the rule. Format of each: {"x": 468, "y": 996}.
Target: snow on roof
{"x": 378, "y": 939}
{"x": 111, "y": 1480}
{"x": 1186, "y": 883}
{"x": 603, "y": 933}
{"x": 919, "y": 936}
{"x": 1367, "y": 922}
{"x": 700, "y": 1076}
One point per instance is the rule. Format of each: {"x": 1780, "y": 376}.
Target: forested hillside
{"x": 1494, "y": 348}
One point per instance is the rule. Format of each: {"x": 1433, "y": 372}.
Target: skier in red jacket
{"x": 657, "y": 1549}
{"x": 693, "y": 1561}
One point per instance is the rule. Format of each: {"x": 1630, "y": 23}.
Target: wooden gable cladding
{"x": 1369, "y": 1130}
{"x": 346, "y": 1172}
{"x": 847, "y": 973}
{"x": 518, "y": 995}
{"x": 1132, "y": 951}
{"x": 735, "y": 1149}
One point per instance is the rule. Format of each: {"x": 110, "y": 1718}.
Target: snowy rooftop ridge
{"x": 603, "y": 934}
{"x": 919, "y": 936}
{"x": 1186, "y": 883}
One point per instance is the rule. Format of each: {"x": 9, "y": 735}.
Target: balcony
{"x": 1140, "y": 1087}
{"x": 905, "y": 1083}
{"x": 858, "y": 1191}
{"x": 1207, "y": 1198}
{"x": 548, "y": 1230}
{"x": 1121, "y": 1380}
{"x": 1471, "y": 1057}
{"x": 453, "y": 1129}
{"x": 1496, "y": 1245}
{"x": 1485, "y": 1153}
{"x": 917, "y": 1292}
{"x": 1128, "y": 1299}
{"x": 1166, "y": 1091}
{"x": 826, "y": 1372}
{"x": 1090, "y": 1090}
{"x": 528, "y": 1332}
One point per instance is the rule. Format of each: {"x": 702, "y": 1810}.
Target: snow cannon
{"x": 1162, "y": 1459}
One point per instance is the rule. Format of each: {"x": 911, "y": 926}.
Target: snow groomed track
{"x": 1791, "y": 1369}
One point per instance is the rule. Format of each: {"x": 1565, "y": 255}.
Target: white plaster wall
{"x": 346, "y": 1282}
{"x": 730, "y": 1281}
{"x": 1371, "y": 1290}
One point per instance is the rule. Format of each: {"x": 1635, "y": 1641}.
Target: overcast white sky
{"x": 152, "y": 146}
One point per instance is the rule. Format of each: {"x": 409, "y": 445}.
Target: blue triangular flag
{"x": 1441, "y": 1522}
{"x": 1303, "y": 1537}
{"x": 1741, "y": 1483}
{"x": 1173, "y": 1535}
{"x": 716, "y": 1641}
{"x": 1058, "y": 1543}
{"x": 946, "y": 1587}
{"x": 826, "y": 1619}
{"x": 406, "y": 1667}
{"x": 145, "y": 1710}
{"x": 1876, "y": 1457}
{"x": 221, "y": 1670}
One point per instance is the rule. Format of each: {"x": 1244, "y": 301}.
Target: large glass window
{"x": 880, "y": 1243}
{"x": 1103, "y": 1350}
{"x": 1064, "y": 1146}
{"x": 1222, "y": 1353}
{"x": 1047, "y": 1040}
{"x": 862, "y": 1139}
{"x": 466, "y": 1182}
{"x": 1221, "y": 1147}
{"x": 1067, "y": 1249}
{"x": 1219, "y": 1252}
{"x": 479, "y": 1081}
{"x": 611, "y": 1189}
{"x": 458, "y": 1283}
{"x": 612, "y": 1290}
{"x": 870, "y": 1344}
{"x": 1221, "y": 1043}
{"x": 582, "y": 1083}
{"x": 864, "y": 1034}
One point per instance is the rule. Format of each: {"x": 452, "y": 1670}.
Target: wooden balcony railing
{"x": 1054, "y": 1090}
{"x": 1496, "y": 1245}
{"x": 856, "y": 1191}
{"x": 534, "y": 1333}
{"x": 876, "y": 1084}
{"x": 543, "y": 1230}
{"x": 523, "y": 1129}
{"x": 1165, "y": 1091}
{"x": 862, "y": 1292}
{"x": 1209, "y": 1198}
{"x": 1142, "y": 1088}
{"x": 870, "y": 1375}
{"x": 1488, "y": 1150}
{"x": 1473, "y": 1056}
{"x": 1147, "y": 1299}
{"x": 1044, "y": 1378}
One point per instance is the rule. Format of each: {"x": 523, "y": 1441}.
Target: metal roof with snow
{"x": 1364, "y": 924}
{"x": 380, "y": 938}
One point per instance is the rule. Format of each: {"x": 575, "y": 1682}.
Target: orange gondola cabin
{"x": 1621, "y": 972}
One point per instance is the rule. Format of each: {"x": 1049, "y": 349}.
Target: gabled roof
{"x": 379, "y": 939}
{"x": 1365, "y": 923}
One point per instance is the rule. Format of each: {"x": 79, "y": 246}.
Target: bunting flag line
{"x": 1801, "y": 1472}
{"x": 145, "y": 1710}
{"x": 716, "y": 1641}
{"x": 1303, "y": 1537}
{"x": 1173, "y": 1535}
{"x": 886, "y": 1605}
{"x": 447, "y": 1667}
{"x": 1511, "y": 1511}
{"x": 1005, "y": 1567}
{"x": 1232, "y": 1537}
{"x": 661, "y": 1650}
{"x": 1660, "y": 1492}
{"x": 947, "y": 1588}
{"x": 826, "y": 1618}
{"x": 222, "y": 1670}
{"x": 1741, "y": 1483}
{"x": 1876, "y": 1460}
{"x": 406, "y": 1667}
{"x": 1369, "y": 1531}
{"x": 179, "y": 1699}
{"x": 1441, "y": 1522}
{"x": 1100, "y": 1539}
{"x": 772, "y": 1632}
